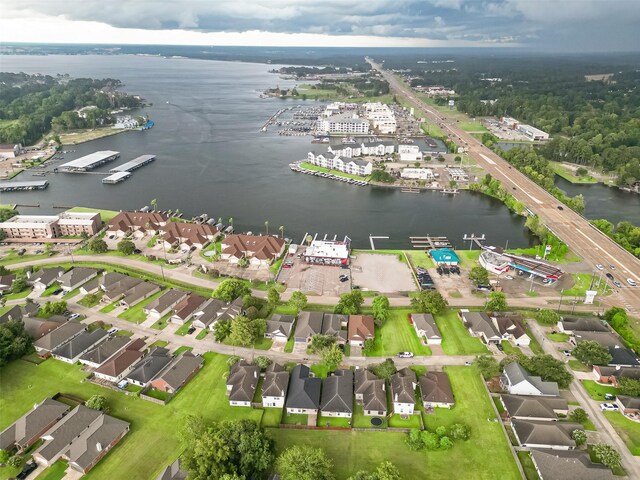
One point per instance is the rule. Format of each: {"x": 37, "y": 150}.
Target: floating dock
{"x": 134, "y": 164}
{"x": 18, "y": 186}
{"x": 89, "y": 162}
{"x": 116, "y": 177}
{"x": 430, "y": 243}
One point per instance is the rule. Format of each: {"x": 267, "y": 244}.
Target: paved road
{"x": 607, "y": 433}
{"x": 585, "y": 240}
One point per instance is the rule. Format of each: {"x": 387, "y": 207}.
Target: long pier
{"x": 272, "y": 119}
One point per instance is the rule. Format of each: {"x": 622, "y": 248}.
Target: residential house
{"x": 531, "y": 407}
{"x": 71, "y": 351}
{"x": 137, "y": 224}
{"x": 115, "y": 285}
{"x": 572, "y": 325}
{"x": 18, "y": 312}
{"x": 103, "y": 352}
{"x": 332, "y": 325}
{"x": 28, "y": 429}
{"x": 75, "y": 277}
{"x": 241, "y": 383}
{"x": 149, "y": 367}
{"x": 275, "y": 386}
{"x": 553, "y": 435}
{"x": 138, "y": 293}
{"x": 45, "y": 277}
{"x": 337, "y": 394}
{"x": 39, "y": 327}
{"x": 512, "y": 329}
{"x": 82, "y": 438}
{"x": 231, "y": 310}
{"x": 480, "y": 325}
{"x": 52, "y": 340}
{"x": 257, "y": 249}
{"x": 6, "y": 282}
{"x": 517, "y": 381}
{"x": 403, "y": 391}
{"x": 183, "y": 310}
{"x": 568, "y": 465}
{"x": 426, "y": 328}
{"x": 628, "y": 405}
{"x": 173, "y": 472}
{"x": 309, "y": 324}
{"x": 186, "y": 235}
{"x": 206, "y": 315}
{"x": 611, "y": 375}
{"x": 303, "y": 396}
{"x": 606, "y": 339}
{"x": 121, "y": 364}
{"x": 361, "y": 329}
{"x": 370, "y": 392}
{"x": 160, "y": 306}
{"x": 178, "y": 372}
{"x": 279, "y": 327}
{"x": 435, "y": 390}
{"x": 623, "y": 357}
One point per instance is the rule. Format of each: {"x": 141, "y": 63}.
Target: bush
{"x": 579, "y": 437}
{"x": 547, "y": 317}
{"x": 262, "y": 362}
{"x": 414, "y": 439}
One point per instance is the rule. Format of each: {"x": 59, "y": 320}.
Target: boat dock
{"x": 410, "y": 190}
{"x": 88, "y": 162}
{"x": 20, "y": 186}
{"x": 272, "y": 119}
{"x": 134, "y": 164}
{"x": 297, "y": 168}
{"x": 116, "y": 177}
{"x": 430, "y": 243}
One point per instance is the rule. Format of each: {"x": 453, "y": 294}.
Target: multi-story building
{"x": 75, "y": 223}
{"x": 381, "y": 117}
{"x": 345, "y": 123}
{"x": 51, "y": 226}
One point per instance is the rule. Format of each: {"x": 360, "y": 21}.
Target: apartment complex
{"x": 345, "y": 123}
{"x": 51, "y": 226}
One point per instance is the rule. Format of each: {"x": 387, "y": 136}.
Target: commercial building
{"x": 345, "y": 123}
{"x": 532, "y": 133}
{"x": 89, "y": 162}
{"x": 417, "y": 174}
{"x": 10, "y": 150}
{"x": 51, "y": 226}
{"x": 328, "y": 252}
{"x": 409, "y": 153}
{"x": 444, "y": 256}
{"x": 381, "y": 117}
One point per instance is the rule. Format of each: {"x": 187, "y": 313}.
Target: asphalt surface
{"x": 573, "y": 229}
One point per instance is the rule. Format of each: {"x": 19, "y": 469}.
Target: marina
{"x": 20, "y": 186}
{"x": 117, "y": 177}
{"x": 430, "y": 243}
{"x": 88, "y": 162}
{"x": 297, "y": 168}
{"x": 134, "y": 164}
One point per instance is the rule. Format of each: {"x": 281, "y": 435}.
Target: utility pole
{"x": 560, "y": 302}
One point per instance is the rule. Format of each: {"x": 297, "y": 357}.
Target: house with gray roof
{"x": 115, "y": 285}
{"x": 173, "y": 472}
{"x": 45, "y": 277}
{"x": 370, "y": 392}
{"x": 19, "y": 312}
{"x": 57, "y": 337}
{"x": 92, "y": 286}
{"x": 628, "y": 405}
{"x": 425, "y": 326}
{"x": 623, "y": 357}
{"x": 435, "y": 390}
{"x": 176, "y": 375}
{"x": 149, "y": 367}
{"x": 138, "y": 293}
{"x": 242, "y": 383}
{"x": 517, "y": 381}
{"x": 206, "y": 315}
{"x": 309, "y": 324}
{"x": 568, "y": 465}
{"x": 403, "y": 391}
{"x": 75, "y": 277}
{"x": 279, "y": 327}
{"x": 231, "y": 310}
{"x": 39, "y": 327}
{"x": 606, "y": 339}
{"x": 119, "y": 366}
{"x": 275, "y": 386}
{"x": 532, "y": 407}
{"x": 337, "y": 394}
{"x": 82, "y": 438}
{"x": 303, "y": 396}
{"x": 103, "y": 352}
{"x": 480, "y": 325}
{"x": 553, "y": 435}
{"x": 71, "y": 351}
{"x": 6, "y": 282}
{"x": 572, "y": 325}
{"x": 28, "y": 429}
{"x": 160, "y": 306}
{"x": 332, "y": 325}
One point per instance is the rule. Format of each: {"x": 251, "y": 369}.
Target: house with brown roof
{"x": 532, "y": 407}
{"x": 175, "y": 375}
{"x": 435, "y": 390}
{"x": 121, "y": 364}
{"x": 186, "y": 235}
{"x": 553, "y": 435}
{"x": 183, "y": 310}
{"x": 403, "y": 391}
{"x": 39, "y": 327}
{"x": 28, "y": 429}
{"x": 370, "y": 392}
{"x": 611, "y": 375}
{"x": 258, "y": 249}
{"x": 361, "y": 328}
{"x": 275, "y": 386}
{"x": 512, "y": 329}
{"x": 241, "y": 383}
{"x": 138, "y": 224}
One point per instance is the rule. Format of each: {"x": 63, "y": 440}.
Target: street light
{"x": 560, "y": 303}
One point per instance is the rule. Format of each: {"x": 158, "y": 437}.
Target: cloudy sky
{"x": 562, "y": 25}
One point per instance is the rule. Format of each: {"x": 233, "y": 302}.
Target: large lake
{"x": 211, "y": 158}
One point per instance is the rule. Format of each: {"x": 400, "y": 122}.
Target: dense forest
{"x": 32, "y": 105}
{"x": 302, "y": 72}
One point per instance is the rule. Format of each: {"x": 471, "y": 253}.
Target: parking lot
{"x": 382, "y": 273}
{"x": 314, "y": 279}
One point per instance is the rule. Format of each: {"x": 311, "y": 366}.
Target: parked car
{"x": 73, "y": 316}
{"x": 566, "y": 353}
{"x": 609, "y": 396}
{"x": 499, "y": 347}
{"x": 609, "y": 276}
{"x": 631, "y": 282}
{"x": 112, "y": 330}
{"x": 405, "y": 355}
{"x": 617, "y": 283}
{"x": 191, "y": 330}
{"x": 483, "y": 288}
{"x": 26, "y": 471}
{"x": 343, "y": 278}
{"x": 599, "y": 267}
{"x": 608, "y": 407}
{"x": 287, "y": 265}
{"x": 560, "y": 207}
{"x": 612, "y": 267}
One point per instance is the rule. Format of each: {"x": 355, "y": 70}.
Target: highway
{"x": 573, "y": 229}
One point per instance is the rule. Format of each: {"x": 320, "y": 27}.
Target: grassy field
{"x": 472, "y": 127}
{"x": 582, "y": 283}
{"x": 578, "y": 366}
{"x": 17, "y": 296}
{"x": 140, "y": 454}
{"x": 628, "y": 430}
{"x": 111, "y": 307}
{"x": 182, "y": 331}
{"x": 597, "y": 391}
{"x": 456, "y": 340}
{"x": 508, "y": 348}
{"x": 569, "y": 175}
{"x": 558, "y": 337}
{"x": 91, "y": 301}
{"x": 81, "y": 136}
{"x": 397, "y": 335}
{"x": 162, "y": 323}
{"x": 527, "y": 465}
{"x": 54, "y": 472}
{"x": 310, "y": 166}
{"x": 136, "y": 313}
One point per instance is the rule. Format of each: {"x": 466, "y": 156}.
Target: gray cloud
{"x": 544, "y": 24}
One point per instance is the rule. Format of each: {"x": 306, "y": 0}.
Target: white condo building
{"x": 345, "y": 123}
{"x": 381, "y": 117}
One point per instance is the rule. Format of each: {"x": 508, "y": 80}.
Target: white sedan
{"x": 609, "y": 407}
{"x": 632, "y": 282}
{"x": 600, "y": 266}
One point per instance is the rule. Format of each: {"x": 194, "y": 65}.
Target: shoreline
{"x": 90, "y": 135}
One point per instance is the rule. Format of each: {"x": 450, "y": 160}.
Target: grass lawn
{"x": 334, "y": 422}
{"x": 157, "y": 394}
{"x": 578, "y": 366}
{"x": 263, "y": 344}
{"x": 71, "y": 294}
{"x": 181, "y": 349}
{"x": 136, "y": 313}
{"x": 54, "y": 472}
{"x": 338, "y": 173}
{"x": 124, "y": 333}
{"x": 182, "y": 331}
{"x": 24, "y": 384}
{"x": 569, "y": 175}
{"x": 203, "y": 333}
{"x": 534, "y": 345}
{"x": 105, "y": 215}
{"x": 111, "y": 307}
{"x": 597, "y": 391}
{"x": 294, "y": 419}
{"x": 271, "y": 417}
{"x": 582, "y": 284}
{"x": 320, "y": 370}
{"x": 17, "y": 296}
{"x": 397, "y": 335}
{"x": 159, "y": 343}
{"x": 468, "y": 258}
{"x": 420, "y": 258}
{"x": 162, "y": 323}
{"x": 413, "y": 421}
{"x": 527, "y": 465}
{"x": 456, "y": 340}
{"x": 558, "y": 337}
{"x": 288, "y": 348}
{"x": 55, "y": 286}
{"x": 508, "y": 348}
{"x": 360, "y": 420}
{"x": 628, "y": 430}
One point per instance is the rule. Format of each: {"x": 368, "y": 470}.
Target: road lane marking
{"x": 607, "y": 254}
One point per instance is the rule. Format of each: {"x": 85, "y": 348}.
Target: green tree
{"x": 607, "y": 455}
{"x": 497, "y": 302}
{"x": 385, "y": 471}
{"x": 488, "y": 366}
{"x": 445, "y": 443}
{"x": 221, "y": 330}
{"x": 369, "y": 346}
{"x": 262, "y": 362}
{"x": 350, "y": 303}
{"x": 547, "y": 317}
{"x": 441, "y": 431}
{"x": 4, "y": 456}
{"x": 49, "y": 247}
{"x": 244, "y": 331}
{"x": 429, "y": 301}
{"x": 302, "y": 462}
{"x": 19, "y": 285}
{"x": 97, "y": 245}
{"x": 430, "y": 440}
{"x": 273, "y": 296}
{"x": 550, "y": 369}
{"x": 385, "y": 369}
{"x": 629, "y": 386}
{"x": 321, "y": 342}
{"x": 332, "y": 357}
{"x": 14, "y": 341}
{"x": 15, "y": 461}
{"x": 460, "y": 431}
{"x": 380, "y": 308}
{"x": 591, "y": 352}
{"x": 193, "y": 426}
{"x": 54, "y": 308}
{"x": 414, "y": 439}
{"x": 298, "y": 301}
{"x": 582, "y": 172}
{"x": 579, "y": 415}
{"x": 479, "y": 275}
{"x": 97, "y": 402}
{"x": 230, "y": 289}
{"x": 579, "y": 436}
{"x": 126, "y": 246}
